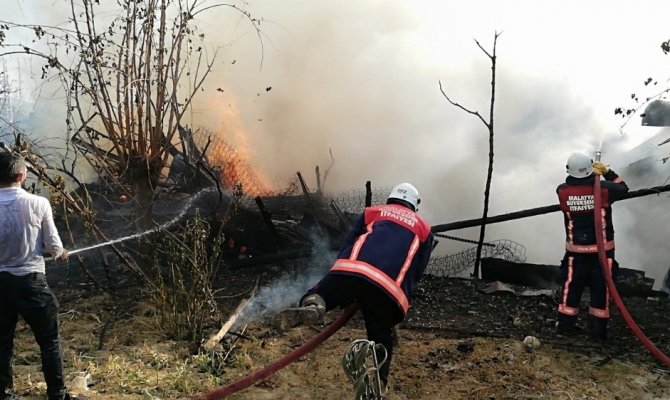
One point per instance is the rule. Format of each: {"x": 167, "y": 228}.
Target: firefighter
{"x": 580, "y": 266}
{"x": 381, "y": 260}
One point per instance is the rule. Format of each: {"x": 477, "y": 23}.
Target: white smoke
{"x": 287, "y": 290}
{"x": 362, "y": 79}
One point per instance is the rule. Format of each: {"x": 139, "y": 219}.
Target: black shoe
{"x": 598, "y": 328}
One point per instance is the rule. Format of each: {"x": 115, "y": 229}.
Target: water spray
{"x": 147, "y": 232}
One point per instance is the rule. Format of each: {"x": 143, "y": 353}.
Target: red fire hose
{"x": 602, "y": 256}
{"x": 263, "y": 373}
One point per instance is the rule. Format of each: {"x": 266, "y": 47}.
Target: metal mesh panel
{"x": 455, "y": 264}
{"x": 353, "y": 201}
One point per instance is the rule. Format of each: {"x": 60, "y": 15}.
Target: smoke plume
{"x": 362, "y": 80}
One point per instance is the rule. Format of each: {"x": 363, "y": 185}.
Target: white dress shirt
{"x": 26, "y": 229}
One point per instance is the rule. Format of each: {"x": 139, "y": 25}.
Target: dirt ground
{"x": 457, "y": 343}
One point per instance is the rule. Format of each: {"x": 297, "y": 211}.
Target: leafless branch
{"x": 453, "y": 103}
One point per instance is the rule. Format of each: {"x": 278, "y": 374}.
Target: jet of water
{"x": 169, "y": 223}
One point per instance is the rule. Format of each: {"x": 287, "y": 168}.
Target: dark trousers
{"x": 30, "y": 297}
{"x": 380, "y": 312}
{"x": 579, "y": 271}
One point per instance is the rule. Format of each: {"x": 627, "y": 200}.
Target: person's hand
{"x": 600, "y": 168}
{"x": 63, "y": 256}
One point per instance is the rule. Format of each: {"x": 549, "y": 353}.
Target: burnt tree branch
{"x": 489, "y": 126}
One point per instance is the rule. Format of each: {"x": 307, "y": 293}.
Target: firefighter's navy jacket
{"x": 390, "y": 247}
{"x": 577, "y": 203}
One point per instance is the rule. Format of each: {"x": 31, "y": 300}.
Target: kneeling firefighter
{"x": 580, "y": 266}
{"x": 382, "y": 258}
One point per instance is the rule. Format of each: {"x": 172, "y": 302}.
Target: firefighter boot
{"x": 598, "y": 328}
{"x": 567, "y": 325}
{"x": 312, "y": 310}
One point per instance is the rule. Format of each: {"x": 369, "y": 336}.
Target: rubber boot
{"x": 312, "y": 310}
{"x": 598, "y": 328}
{"x": 567, "y": 325}
{"x": 314, "y": 300}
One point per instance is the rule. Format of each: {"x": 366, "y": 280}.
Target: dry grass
{"x": 136, "y": 362}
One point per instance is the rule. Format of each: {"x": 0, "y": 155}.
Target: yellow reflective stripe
{"x": 566, "y": 286}
{"x": 408, "y": 261}
{"x": 567, "y": 310}
{"x": 600, "y": 313}
{"x": 359, "y": 242}
{"x": 603, "y": 224}
{"x": 363, "y": 268}
{"x": 570, "y": 227}
{"x": 588, "y": 248}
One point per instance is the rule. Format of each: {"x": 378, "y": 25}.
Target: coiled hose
{"x": 602, "y": 256}
{"x": 263, "y": 373}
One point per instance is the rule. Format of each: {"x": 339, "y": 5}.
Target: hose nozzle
{"x": 597, "y": 155}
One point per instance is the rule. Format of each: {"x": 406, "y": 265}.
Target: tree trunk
{"x": 143, "y": 178}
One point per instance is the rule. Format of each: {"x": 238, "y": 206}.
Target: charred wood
{"x": 629, "y": 282}
{"x": 534, "y": 211}
{"x": 310, "y": 202}
{"x": 266, "y": 215}
{"x": 346, "y": 222}
{"x": 533, "y": 275}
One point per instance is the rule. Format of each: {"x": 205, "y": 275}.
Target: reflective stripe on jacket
{"x": 577, "y": 202}
{"x": 390, "y": 247}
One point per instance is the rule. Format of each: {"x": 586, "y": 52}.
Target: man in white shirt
{"x": 26, "y": 229}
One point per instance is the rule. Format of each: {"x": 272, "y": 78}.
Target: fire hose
{"x": 263, "y": 373}
{"x": 308, "y": 346}
{"x": 602, "y": 256}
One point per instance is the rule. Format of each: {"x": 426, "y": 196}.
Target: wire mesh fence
{"x": 353, "y": 201}
{"x": 455, "y": 264}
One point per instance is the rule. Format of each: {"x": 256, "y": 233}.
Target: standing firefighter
{"x": 381, "y": 260}
{"x": 27, "y": 228}
{"x": 580, "y": 266}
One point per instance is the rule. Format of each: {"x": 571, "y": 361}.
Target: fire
{"x": 236, "y": 171}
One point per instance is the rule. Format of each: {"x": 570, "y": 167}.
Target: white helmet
{"x": 407, "y": 193}
{"x": 579, "y": 165}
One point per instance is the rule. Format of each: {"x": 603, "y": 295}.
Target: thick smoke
{"x": 362, "y": 80}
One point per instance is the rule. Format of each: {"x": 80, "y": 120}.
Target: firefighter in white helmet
{"x": 381, "y": 260}
{"x": 580, "y": 266}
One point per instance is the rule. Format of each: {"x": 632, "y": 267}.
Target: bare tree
{"x": 489, "y": 124}
{"x": 129, "y": 84}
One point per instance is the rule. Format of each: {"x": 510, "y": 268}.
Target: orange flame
{"x": 236, "y": 170}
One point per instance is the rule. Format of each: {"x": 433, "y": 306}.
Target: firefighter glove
{"x": 600, "y": 168}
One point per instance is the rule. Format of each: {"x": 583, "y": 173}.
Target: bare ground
{"x": 457, "y": 343}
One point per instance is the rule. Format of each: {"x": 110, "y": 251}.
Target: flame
{"x": 236, "y": 169}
